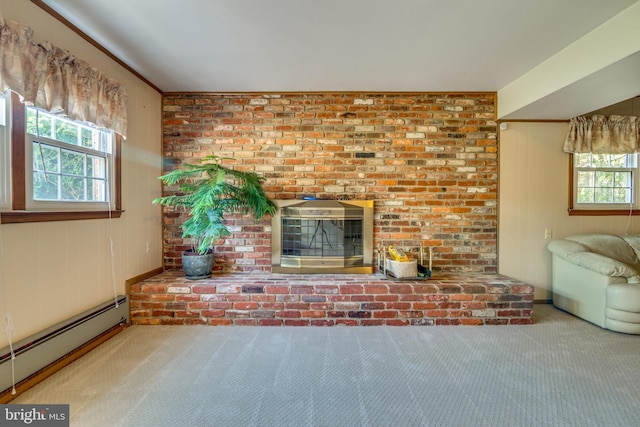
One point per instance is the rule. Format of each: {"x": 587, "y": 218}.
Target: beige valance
{"x": 599, "y": 134}
{"x": 53, "y": 79}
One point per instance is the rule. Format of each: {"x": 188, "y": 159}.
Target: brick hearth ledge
{"x": 269, "y": 299}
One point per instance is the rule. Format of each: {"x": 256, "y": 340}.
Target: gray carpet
{"x": 561, "y": 371}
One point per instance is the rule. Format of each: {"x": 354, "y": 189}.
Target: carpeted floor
{"x": 560, "y": 371}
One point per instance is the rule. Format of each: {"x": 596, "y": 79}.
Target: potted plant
{"x": 207, "y": 191}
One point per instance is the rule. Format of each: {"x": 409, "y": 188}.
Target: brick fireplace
{"x": 427, "y": 160}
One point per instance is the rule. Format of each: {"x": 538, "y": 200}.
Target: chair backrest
{"x": 612, "y": 246}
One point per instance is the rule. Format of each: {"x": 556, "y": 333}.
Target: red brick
{"x": 410, "y": 313}
{"x": 165, "y": 321}
{"x": 220, "y": 305}
{"x": 313, "y": 313}
{"x": 509, "y": 313}
{"x": 276, "y": 289}
{"x": 346, "y": 322}
{"x": 474, "y": 305}
{"x": 220, "y": 322}
{"x": 385, "y": 314}
{"x": 272, "y": 305}
{"x": 448, "y": 305}
{"x": 386, "y": 298}
{"x": 399, "y": 305}
{"x": 296, "y": 306}
{"x": 162, "y": 297}
{"x": 237, "y": 313}
{"x": 163, "y": 313}
{"x": 296, "y": 322}
{"x": 447, "y": 322}
{"x": 334, "y": 313}
{"x": 212, "y": 313}
{"x": 461, "y": 297}
{"x": 471, "y": 322}
{"x": 270, "y": 322}
{"x": 411, "y": 297}
{"x": 459, "y": 313}
{"x": 400, "y": 289}
{"x": 238, "y": 297}
{"x": 338, "y": 298}
{"x": 245, "y": 305}
{"x": 396, "y": 322}
{"x": 360, "y": 298}
{"x": 187, "y": 313}
{"x": 154, "y": 288}
{"x": 200, "y": 289}
{"x": 351, "y": 289}
{"x": 486, "y": 297}
{"x": 435, "y": 313}
{"x": 149, "y": 305}
{"x": 140, "y": 313}
{"x": 375, "y": 289}
{"x": 321, "y": 306}
{"x": 245, "y": 322}
{"x": 287, "y": 313}
{"x": 327, "y": 289}
{"x": 372, "y": 322}
{"x": 322, "y": 322}
{"x": 262, "y": 297}
{"x": 436, "y": 297}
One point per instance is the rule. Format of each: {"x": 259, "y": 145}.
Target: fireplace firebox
{"x": 322, "y": 236}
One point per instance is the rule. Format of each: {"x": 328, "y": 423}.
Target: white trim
{"x": 59, "y": 205}
{"x": 5, "y": 154}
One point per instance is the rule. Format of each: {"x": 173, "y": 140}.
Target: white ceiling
{"x": 335, "y": 45}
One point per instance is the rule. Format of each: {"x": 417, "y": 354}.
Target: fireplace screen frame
{"x": 313, "y": 214}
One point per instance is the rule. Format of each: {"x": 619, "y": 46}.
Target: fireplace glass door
{"x": 322, "y": 237}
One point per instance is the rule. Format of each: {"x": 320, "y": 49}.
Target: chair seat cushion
{"x": 623, "y": 297}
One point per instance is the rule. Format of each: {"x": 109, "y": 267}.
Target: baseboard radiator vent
{"x": 38, "y": 351}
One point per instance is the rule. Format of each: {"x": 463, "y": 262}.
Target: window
{"x": 70, "y": 163}
{"x": 604, "y": 182}
{"x": 59, "y": 169}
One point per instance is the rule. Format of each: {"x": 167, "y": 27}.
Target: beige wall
{"x": 54, "y": 270}
{"x": 533, "y": 196}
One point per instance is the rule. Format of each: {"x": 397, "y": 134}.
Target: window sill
{"x": 16, "y": 217}
{"x": 608, "y": 212}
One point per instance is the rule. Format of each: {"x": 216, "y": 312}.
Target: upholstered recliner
{"x": 597, "y": 278}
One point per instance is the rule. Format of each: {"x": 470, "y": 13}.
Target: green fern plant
{"x": 208, "y": 191}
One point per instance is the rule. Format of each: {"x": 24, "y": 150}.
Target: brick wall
{"x": 429, "y": 161}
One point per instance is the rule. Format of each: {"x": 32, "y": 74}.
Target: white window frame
{"x": 66, "y": 205}
{"x": 624, "y": 207}
{"x": 5, "y": 154}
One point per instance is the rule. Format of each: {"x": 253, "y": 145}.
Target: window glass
{"x": 605, "y": 181}
{"x": 71, "y": 162}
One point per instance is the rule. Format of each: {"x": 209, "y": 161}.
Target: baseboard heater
{"x": 38, "y": 351}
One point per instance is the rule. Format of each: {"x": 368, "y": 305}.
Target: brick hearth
{"x": 269, "y": 299}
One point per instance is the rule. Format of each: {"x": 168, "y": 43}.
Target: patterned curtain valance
{"x": 598, "y": 134}
{"x": 54, "y": 80}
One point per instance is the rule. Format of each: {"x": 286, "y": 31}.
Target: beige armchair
{"x": 597, "y": 278}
